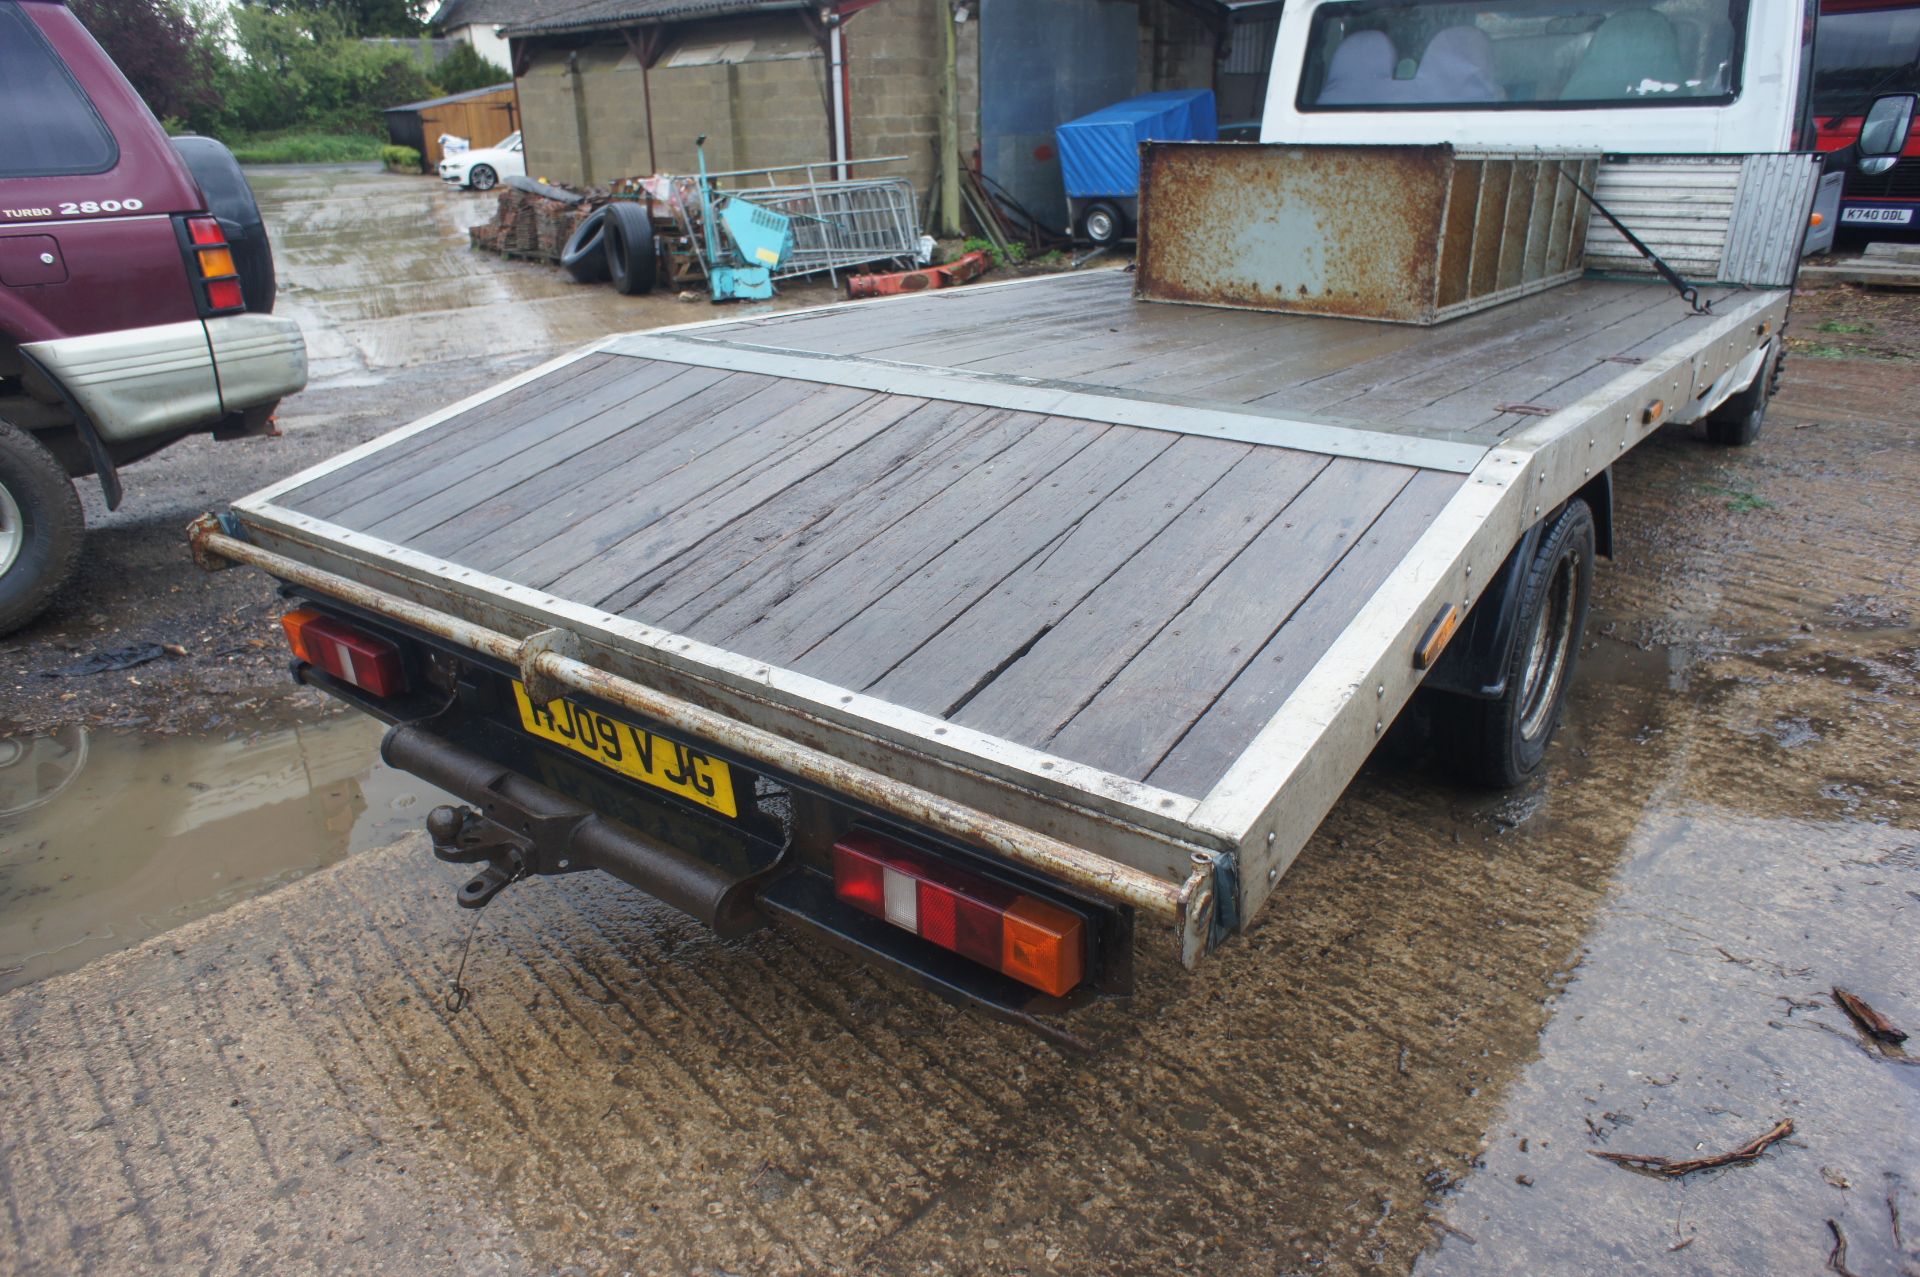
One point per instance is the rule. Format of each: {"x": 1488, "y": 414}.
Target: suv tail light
{"x": 1033, "y": 941}
{"x": 213, "y": 269}
{"x": 370, "y": 664}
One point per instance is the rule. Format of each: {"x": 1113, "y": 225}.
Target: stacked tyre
{"x": 613, "y": 242}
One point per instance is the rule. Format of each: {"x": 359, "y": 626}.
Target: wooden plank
{"x": 980, "y": 635}
{"x": 697, "y": 536}
{"x": 469, "y": 475}
{"x": 1140, "y": 329}
{"x": 961, "y": 349}
{"x": 1211, "y": 745}
{"x": 682, "y": 464}
{"x": 1142, "y": 712}
{"x": 1044, "y": 686}
{"x": 495, "y": 529}
{"x": 1472, "y": 350}
{"x": 861, "y": 328}
{"x": 934, "y": 446}
{"x": 386, "y": 490}
{"x": 784, "y": 451}
{"x": 1533, "y": 381}
{"x": 555, "y": 388}
{"x": 1096, "y": 490}
{"x": 809, "y": 594}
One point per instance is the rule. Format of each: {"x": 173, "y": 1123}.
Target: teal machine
{"x": 756, "y": 241}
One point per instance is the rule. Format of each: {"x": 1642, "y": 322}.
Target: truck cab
{"x": 1720, "y": 77}
{"x": 136, "y": 294}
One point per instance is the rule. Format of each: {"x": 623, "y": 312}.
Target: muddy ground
{"x": 1405, "y": 1064}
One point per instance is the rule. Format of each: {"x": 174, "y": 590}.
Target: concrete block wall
{"x": 753, "y": 113}
{"x": 896, "y": 53}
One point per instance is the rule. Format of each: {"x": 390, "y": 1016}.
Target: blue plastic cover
{"x": 1100, "y": 153}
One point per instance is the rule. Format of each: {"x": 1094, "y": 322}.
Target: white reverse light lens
{"x": 903, "y": 901}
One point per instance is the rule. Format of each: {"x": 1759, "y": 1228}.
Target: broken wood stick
{"x": 1837, "y": 1257}
{"x": 1686, "y": 1166}
{"x": 1871, "y": 1022}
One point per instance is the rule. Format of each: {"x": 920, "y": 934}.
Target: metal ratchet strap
{"x": 1688, "y": 293}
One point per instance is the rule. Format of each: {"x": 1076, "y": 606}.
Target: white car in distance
{"x": 482, "y": 169}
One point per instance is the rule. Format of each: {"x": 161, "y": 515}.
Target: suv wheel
{"x": 481, "y": 177}
{"x": 40, "y": 528}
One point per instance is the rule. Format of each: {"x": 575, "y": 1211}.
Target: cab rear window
{"x": 51, "y": 125}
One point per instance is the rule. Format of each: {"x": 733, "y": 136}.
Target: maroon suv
{"x": 136, "y": 291}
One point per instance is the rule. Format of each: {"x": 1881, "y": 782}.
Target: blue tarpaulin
{"x": 1100, "y": 153}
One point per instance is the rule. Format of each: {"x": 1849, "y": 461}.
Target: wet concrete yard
{"x": 1452, "y": 1001}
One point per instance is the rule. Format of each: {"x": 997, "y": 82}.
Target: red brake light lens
{"x": 225, "y": 294}
{"x": 212, "y": 263}
{"x": 368, "y": 663}
{"x": 1034, "y": 941}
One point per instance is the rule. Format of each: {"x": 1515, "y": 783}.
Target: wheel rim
{"x": 13, "y": 531}
{"x": 1548, "y": 649}
{"x": 1099, "y": 226}
{"x": 483, "y": 178}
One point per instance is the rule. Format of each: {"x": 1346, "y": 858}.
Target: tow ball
{"x": 462, "y": 836}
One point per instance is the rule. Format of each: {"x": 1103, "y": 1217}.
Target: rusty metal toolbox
{"x": 1412, "y": 234}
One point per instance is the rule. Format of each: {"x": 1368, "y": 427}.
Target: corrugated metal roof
{"x": 464, "y": 13}
{"x": 593, "y": 15}
{"x": 453, "y": 97}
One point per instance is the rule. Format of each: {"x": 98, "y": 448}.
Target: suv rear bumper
{"x": 141, "y": 382}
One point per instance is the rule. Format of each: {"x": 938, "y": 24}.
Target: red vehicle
{"x": 136, "y": 290}
{"x": 1867, "y": 48}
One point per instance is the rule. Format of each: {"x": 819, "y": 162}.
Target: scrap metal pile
{"x": 825, "y": 222}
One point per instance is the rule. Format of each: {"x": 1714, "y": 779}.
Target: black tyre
{"x": 1736, "y": 423}
{"x": 1500, "y": 743}
{"x": 585, "y": 256}
{"x": 629, "y": 239}
{"x": 40, "y": 528}
{"x": 1103, "y": 223}
{"x": 481, "y": 177}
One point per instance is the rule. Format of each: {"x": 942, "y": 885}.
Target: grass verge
{"x": 306, "y": 148}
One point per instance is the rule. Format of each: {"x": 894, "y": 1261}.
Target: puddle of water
{"x": 106, "y": 840}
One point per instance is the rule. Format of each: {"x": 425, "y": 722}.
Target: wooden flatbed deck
{"x": 1099, "y": 532}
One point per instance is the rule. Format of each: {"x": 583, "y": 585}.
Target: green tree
{"x": 465, "y": 69}
{"x": 304, "y": 71}
{"x": 161, "y": 51}
{"x": 357, "y": 17}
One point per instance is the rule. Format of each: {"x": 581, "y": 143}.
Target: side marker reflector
{"x": 1434, "y": 641}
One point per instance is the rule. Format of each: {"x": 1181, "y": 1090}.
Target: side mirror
{"x": 1883, "y": 134}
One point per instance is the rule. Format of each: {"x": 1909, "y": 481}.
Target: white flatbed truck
{"x": 973, "y": 629}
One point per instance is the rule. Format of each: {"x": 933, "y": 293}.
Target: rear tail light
{"x": 213, "y": 265}
{"x": 370, "y": 664}
{"x": 1033, "y": 941}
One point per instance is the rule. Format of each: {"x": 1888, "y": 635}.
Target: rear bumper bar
{"x": 547, "y": 669}
{"x": 551, "y": 833}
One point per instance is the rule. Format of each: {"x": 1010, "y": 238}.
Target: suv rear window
{"x": 52, "y": 127}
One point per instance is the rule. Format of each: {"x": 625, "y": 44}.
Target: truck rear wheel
{"x": 41, "y": 527}
{"x": 1501, "y": 742}
{"x": 1736, "y": 423}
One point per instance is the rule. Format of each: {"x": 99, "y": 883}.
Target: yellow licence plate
{"x": 624, "y": 748}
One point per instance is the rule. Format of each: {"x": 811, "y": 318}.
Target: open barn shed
{"x": 482, "y": 116}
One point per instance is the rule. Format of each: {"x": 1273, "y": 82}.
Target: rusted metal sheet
{"x": 1413, "y": 234}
